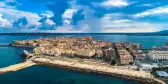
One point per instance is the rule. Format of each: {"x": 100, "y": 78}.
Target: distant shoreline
{"x": 129, "y": 34}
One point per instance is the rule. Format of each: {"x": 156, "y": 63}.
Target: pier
{"x": 15, "y": 67}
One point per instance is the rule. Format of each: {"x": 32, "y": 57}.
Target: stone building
{"x": 109, "y": 55}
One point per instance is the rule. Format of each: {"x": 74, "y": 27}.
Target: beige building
{"x": 109, "y": 54}
{"x": 125, "y": 57}
{"x": 99, "y": 53}
{"x": 158, "y": 55}
{"x": 85, "y": 52}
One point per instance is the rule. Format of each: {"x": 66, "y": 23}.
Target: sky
{"x": 83, "y": 16}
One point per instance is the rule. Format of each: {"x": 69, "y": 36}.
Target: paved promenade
{"x": 93, "y": 65}
{"x": 16, "y": 67}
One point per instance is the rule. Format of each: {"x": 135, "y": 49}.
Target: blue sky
{"x": 83, "y": 16}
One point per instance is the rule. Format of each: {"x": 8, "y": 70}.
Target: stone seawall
{"x": 86, "y": 70}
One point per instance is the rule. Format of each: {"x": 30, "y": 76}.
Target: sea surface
{"x": 49, "y": 75}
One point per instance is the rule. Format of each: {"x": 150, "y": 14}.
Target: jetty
{"x": 101, "y": 68}
{"x": 27, "y": 63}
{"x": 16, "y": 67}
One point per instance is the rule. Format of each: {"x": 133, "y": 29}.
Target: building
{"x": 38, "y": 50}
{"x": 162, "y": 74}
{"x": 145, "y": 65}
{"x": 85, "y": 53}
{"x": 48, "y": 52}
{"x": 140, "y": 55}
{"x": 109, "y": 54}
{"x": 99, "y": 53}
{"x": 125, "y": 57}
{"x": 158, "y": 55}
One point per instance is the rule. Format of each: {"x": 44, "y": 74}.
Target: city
{"x": 83, "y": 42}
{"x": 125, "y": 55}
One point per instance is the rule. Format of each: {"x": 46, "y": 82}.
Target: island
{"x": 88, "y": 55}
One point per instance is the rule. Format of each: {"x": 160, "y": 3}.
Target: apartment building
{"x": 158, "y": 55}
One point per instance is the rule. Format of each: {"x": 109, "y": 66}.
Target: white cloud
{"x": 2, "y": 4}
{"x": 9, "y": 0}
{"x": 115, "y": 3}
{"x": 67, "y": 29}
{"x": 48, "y": 14}
{"x": 69, "y": 13}
{"x": 13, "y": 15}
{"x": 4, "y": 23}
{"x": 130, "y": 30}
{"x": 67, "y": 16}
{"x": 121, "y": 21}
{"x": 113, "y": 22}
{"x": 50, "y": 22}
{"x": 125, "y": 25}
{"x": 46, "y": 24}
{"x": 154, "y": 11}
{"x": 67, "y": 22}
{"x": 146, "y": 5}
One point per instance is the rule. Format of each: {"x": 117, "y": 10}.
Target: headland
{"x": 87, "y": 54}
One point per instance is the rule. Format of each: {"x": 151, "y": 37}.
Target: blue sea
{"x": 49, "y": 75}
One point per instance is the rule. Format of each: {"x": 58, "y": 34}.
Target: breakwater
{"x": 16, "y": 67}
{"x": 88, "y": 68}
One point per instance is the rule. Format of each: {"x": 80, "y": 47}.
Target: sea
{"x": 49, "y": 75}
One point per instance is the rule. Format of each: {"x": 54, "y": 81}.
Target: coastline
{"x": 94, "y": 70}
{"x": 91, "y": 69}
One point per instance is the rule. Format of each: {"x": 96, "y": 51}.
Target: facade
{"x": 48, "y": 52}
{"x": 99, "y": 53}
{"x": 38, "y": 50}
{"x": 109, "y": 54}
{"x": 85, "y": 53}
{"x": 125, "y": 57}
{"x": 146, "y": 66}
{"x": 158, "y": 55}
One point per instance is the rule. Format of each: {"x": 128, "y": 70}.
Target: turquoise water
{"x": 48, "y": 75}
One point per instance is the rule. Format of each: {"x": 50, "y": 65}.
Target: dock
{"x": 16, "y": 67}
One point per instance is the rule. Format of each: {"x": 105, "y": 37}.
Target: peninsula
{"x": 86, "y": 54}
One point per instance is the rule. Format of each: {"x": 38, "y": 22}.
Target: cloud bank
{"x": 76, "y": 16}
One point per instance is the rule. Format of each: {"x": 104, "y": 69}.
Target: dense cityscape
{"x": 83, "y": 42}
{"x": 125, "y": 60}
{"x": 131, "y": 55}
